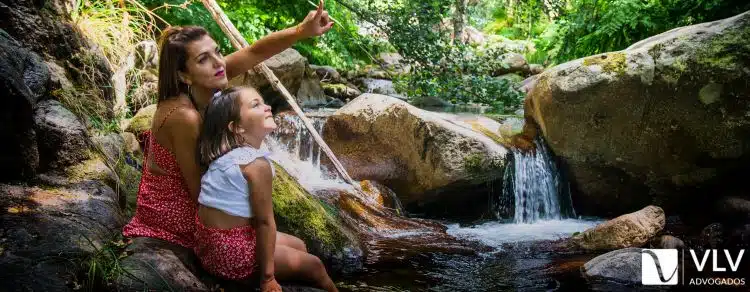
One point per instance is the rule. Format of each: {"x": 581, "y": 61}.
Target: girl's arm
{"x": 316, "y": 23}
{"x": 184, "y": 144}
{"x": 258, "y": 174}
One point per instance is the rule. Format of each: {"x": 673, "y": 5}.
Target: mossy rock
{"x": 298, "y": 213}
{"x": 141, "y": 122}
{"x": 662, "y": 122}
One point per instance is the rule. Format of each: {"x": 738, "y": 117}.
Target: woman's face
{"x": 205, "y": 66}
{"x": 255, "y": 116}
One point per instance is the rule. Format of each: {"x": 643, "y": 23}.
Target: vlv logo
{"x": 659, "y": 266}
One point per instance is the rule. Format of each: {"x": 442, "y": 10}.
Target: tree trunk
{"x": 458, "y": 21}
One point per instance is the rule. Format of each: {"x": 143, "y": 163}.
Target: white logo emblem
{"x": 659, "y": 266}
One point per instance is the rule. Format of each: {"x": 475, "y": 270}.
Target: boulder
{"x": 49, "y": 233}
{"x": 377, "y": 86}
{"x": 132, "y": 145}
{"x": 112, "y": 145}
{"x": 629, "y": 230}
{"x": 511, "y": 63}
{"x": 327, "y": 73}
{"x": 58, "y": 77}
{"x": 421, "y": 155}
{"x": 536, "y": 69}
{"x": 61, "y": 137}
{"x": 298, "y": 213}
{"x": 23, "y": 78}
{"x": 289, "y": 66}
{"x": 141, "y": 122}
{"x": 664, "y": 121}
{"x": 733, "y": 210}
{"x": 669, "y": 242}
{"x": 157, "y": 265}
{"x": 310, "y": 93}
{"x": 340, "y": 91}
{"x": 621, "y": 267}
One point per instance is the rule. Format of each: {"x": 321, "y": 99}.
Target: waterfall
{"x": 533, "y": 188}
{"x": 294, "y": 148}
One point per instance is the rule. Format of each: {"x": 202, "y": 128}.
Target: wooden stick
{"x": 239, "y": 42}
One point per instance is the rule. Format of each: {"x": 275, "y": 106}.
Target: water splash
{"x": 533, "y": 188}
{"x": 293, "y": 147}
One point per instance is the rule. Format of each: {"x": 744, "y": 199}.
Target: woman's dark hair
{"x": 173, "y": 56}
{"x": 216, "y": 139}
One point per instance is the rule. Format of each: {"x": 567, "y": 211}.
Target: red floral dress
{"x": 164, "y": 208}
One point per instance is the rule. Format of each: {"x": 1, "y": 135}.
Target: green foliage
{"x": 590, "y": 27}
{"x": 341, "y": 47}
{"x": 441, "y": 68}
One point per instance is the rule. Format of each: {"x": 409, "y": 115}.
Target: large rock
{"x": 62, "y": 138}
{"x": 511, "y": 63}
{"x": 141, "y": 122}
{"x": 289, "y": 66}
{"x": 310, "y": 93}
{"x": 340, "y": 91}
{"x": 298, "y": 213}
{"x": 23, "y": 78}
{"x": 156, "y": 265}
{"x": 50, "y": 232}
{"x": 629, "y": 230}
{"x": 421, "y": 155}
{"x": 327, "y": 73}
{"x": 619, "y": 267}
{"x": 664, "y": 121}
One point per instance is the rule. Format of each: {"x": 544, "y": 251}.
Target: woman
{"x": 191, "y": 70}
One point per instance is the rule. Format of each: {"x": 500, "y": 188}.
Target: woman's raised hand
{"x": 316, "y": 23}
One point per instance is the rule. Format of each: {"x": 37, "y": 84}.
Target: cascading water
{"x": 533, "y": 188}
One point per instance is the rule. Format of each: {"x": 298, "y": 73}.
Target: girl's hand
{"x": 270, "y": 286}
{"x": 316, "y": 23}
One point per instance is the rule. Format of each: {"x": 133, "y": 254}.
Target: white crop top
{"x": 224, "y": 187}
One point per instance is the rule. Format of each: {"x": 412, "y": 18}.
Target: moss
{"x": 610, "y": 63}
{"x": 727, "y": 52}
{"x": 141, "y": 122}
{"x": 473, "y": 163}
{"x": 304, "y": 216}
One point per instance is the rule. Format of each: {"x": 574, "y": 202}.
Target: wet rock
{"x": 21, "y": 74}
{"x": 131, "y": 145}
{"x": 621, "y": 266}
{"x": 733, "y": 210}
{"x": 536, "y": 69}
{"x": 340, "y": 91}
{"x": 310, "y": 93}
{"x": 418, "y": 154}
{"x": 48, "y": 233}
{"x": 669, "y": 242}
{"x": 327, "y": 73}
{"x": 377, "y": 86}
{"x": 157, "y": 265}
{"x": 646, "y": 125}
{"x": 712, "y": 236}
{"x": 61, "y": 137}
{"x": 299, "y": 214}
{"x": 629, "y": 230}
{"x": 335, "y": 103}
{"x": 141, "y": 122}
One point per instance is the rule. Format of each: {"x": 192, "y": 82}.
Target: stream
{"x": 519, "y": 250}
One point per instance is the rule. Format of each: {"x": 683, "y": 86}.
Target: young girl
{"x": 235, "y": 228}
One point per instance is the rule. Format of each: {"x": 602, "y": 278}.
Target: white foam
{"x": 495, "y": 234}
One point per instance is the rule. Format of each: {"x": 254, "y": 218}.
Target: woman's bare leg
{"x": 293, "y": 264}
{"x": 290, "y": 241}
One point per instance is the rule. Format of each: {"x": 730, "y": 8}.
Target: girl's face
{"x": 256, "y": 119}
{"x": 205, "y": 66}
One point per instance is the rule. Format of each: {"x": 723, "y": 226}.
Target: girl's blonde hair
{"x": 216, "y": 139}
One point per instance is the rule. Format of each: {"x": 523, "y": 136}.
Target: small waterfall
{"x": 294, "y": 148}
{"x": 533, "y": 188}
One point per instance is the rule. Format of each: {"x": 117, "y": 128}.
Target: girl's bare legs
{"x": 292, "y": 264}
{"x": 290, "y": 241}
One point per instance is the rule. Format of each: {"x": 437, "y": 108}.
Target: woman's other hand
{"x": 316, "y": 23}
{"x": 270, "y": 286}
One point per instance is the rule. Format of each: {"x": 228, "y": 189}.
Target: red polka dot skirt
{"x": 226, "y": 253}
